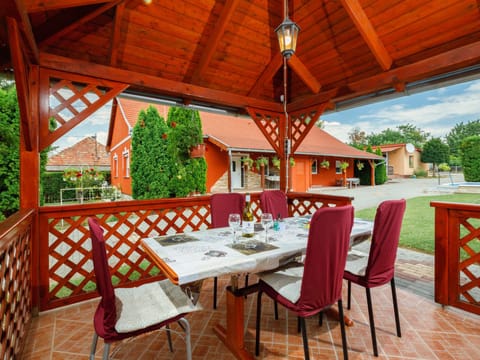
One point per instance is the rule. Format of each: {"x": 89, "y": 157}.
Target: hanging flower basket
{"x": 197, "y": 151}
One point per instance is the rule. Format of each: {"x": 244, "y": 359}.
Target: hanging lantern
{"x": 287, "y": 33}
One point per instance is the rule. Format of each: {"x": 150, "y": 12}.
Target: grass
{"x": 418, "y": 229}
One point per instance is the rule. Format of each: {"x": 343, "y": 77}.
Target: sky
{"x": 435, "y": 112}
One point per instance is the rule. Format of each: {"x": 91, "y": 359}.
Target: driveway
{"x": 371, "y": 196}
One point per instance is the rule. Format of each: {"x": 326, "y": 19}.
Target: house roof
{"x": 86, "y": 152}
{"x": 392, "y": 147}
{"x": 239, "y": 133}
{"x": 225, "y": 53}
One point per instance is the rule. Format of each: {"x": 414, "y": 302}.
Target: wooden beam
{"x": 214, "y": 39}
{"x": 72, "y": 26}
{"x": 155, "y": 84}
{"x": 21, "y": 76}
{"x": 365, "y": 27}
{"x": 303, "y": 73}
{"x": 115, "y": 41}
{"x": 45, "y": 5}
{"x": 267, "y": 74}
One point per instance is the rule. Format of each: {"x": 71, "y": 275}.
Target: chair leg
{"x": 215, "y": 281}
{"x": 185, "y": 325}
{"x": 106, "y": 350}
{"x": 94, "y": 346}
{"x": 169, "y": 338}
{"x": 320, "y": 318}
{"x": 299, "y": 324}
{"x": 395, "y": 307}
{"x": 342, "y": 329}
{"x": 372, "y": 322}
{"x": 275, "y": 307}
{"x": 304, "y": 337}
{"x": 349, "y": 294}
{"x": 257, "y": 330}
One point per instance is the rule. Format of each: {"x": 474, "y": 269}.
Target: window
{"x": 314, "y": 167}
{"x": 126, "y": 163}
{"x": 338, "y": 167}
{"x": 115, "y": 166}
{"x": 410, "y": 161}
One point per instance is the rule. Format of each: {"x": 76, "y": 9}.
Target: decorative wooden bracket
{"x": 272, "y": 125}
{"x": 70, "y": 99}
{"x": 301, "y": 123}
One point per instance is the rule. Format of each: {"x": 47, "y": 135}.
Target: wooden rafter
{"x": 74, "y": 25}
{"x": 267, "y": 75}
{"x": 165, "y": 86}
{"x": 214, "y": 39}
{"x": 302, "y": 122}
{"x": 44, "y": 5}
{"x": 304, "y": 74}
{"x": 68, "y": 90}
{"x": 364, "y": 26}
{"x": 115, "y": 43}
{"x": 21, "y": 76}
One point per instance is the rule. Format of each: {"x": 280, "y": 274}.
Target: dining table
{"x": 189, "y": 257}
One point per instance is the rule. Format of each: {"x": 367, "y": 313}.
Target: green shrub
{"x": 420, "y": 173}
{"x": 470, "y": 149}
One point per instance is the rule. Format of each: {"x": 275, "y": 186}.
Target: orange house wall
{"x": 217, "y": 164}
{"x": 120, "y": 133}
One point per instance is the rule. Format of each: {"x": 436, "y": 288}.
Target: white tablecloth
{"x": 210, "y": 253}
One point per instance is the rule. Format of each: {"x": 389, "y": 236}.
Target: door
{"x": 236, "y": 169}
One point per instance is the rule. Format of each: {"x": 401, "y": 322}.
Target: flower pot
{"x": 197, "y": 151}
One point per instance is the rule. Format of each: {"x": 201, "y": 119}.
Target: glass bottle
{"x": 248, "y": 224}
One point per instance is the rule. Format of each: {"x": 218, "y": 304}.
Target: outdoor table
{"x": 188, "y": 257}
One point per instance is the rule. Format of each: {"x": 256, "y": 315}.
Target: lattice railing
{"x": 66, "y": 276}
{"x": 15, "y": 289}
{"x": 457, "y": 255}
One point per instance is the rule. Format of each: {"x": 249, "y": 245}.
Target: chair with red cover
{"x": 275, "y": 203}
{"x": 127, "y": 312}
{"x": 309, "y": 289}
{"x": 378, "y": 266}
{"x": 221, "y": 205}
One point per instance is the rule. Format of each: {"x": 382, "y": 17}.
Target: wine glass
{"x": 234, "y": 223}
{"x": 267, "y": 221}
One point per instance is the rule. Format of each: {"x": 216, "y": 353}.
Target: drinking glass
{"x": 267, "y": 221}
{"x": 234, "y": 223}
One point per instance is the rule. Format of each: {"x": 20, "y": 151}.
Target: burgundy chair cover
{"x": 106, "y": 315}
{"x": 383, "y": 250}
{"x": 326, "y": 255}
{"x": 221, "y": 205}
{"x": 275, "y": 203}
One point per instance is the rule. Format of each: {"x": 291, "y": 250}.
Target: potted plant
{"x": 247, "y": 162}
{"x": 261, "y": 162}
{"x": 344, "y": 165}
{"x": 292, "y": 162}
{"x": 276, "y": 162}
{"x": 360, "y": 165}
{"x": 325, "y": 164}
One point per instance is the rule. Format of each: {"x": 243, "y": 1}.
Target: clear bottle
{"x": 248, "y": 224}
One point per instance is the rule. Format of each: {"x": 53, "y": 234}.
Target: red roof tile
{"x": 87, "y": 152}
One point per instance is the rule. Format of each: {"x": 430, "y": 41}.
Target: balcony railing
{"x": 457, "y": 255}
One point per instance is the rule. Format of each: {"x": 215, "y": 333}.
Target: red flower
{"x": 164, "y": 136}
{"x": 173, "y": 124}
{"x": 79, "y": 174}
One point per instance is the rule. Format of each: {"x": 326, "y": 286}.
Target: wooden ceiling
{"x": 225, "y": 53}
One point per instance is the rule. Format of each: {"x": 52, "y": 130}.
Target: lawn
{"x": 418, "y": 223}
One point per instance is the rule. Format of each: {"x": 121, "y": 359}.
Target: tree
{"x": 470, "y": 150}
{"x": 458, "y": 133}
{"x": 435, "y": 151}
{"x": 403, "y": 134}
{"x": 151, "y": 165}
{"x": 9, "y": 152}
{"x": 358, "y": 138}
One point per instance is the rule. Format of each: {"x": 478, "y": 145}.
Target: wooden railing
{"x": 15, "y": 288}
{"x": 65, "y": 266}
{"x": 457, "y": 255}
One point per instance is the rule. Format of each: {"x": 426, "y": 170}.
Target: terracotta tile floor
{"x": 428, "y": 331}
